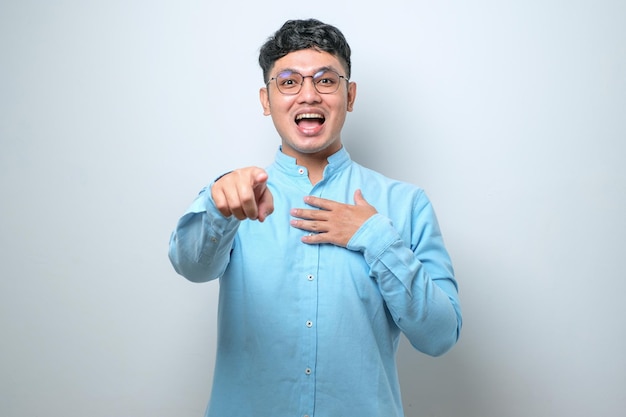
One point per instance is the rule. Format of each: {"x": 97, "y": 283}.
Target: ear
{"x": 265, "y": 101}
{"x": 351, "y": 95}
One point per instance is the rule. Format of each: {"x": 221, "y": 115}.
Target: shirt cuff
{"x": 374, "y": 237}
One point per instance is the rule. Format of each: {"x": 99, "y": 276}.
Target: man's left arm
{"x": 416, "y": 282}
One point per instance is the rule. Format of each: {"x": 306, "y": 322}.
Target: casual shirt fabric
{"x": 313, "y": 330}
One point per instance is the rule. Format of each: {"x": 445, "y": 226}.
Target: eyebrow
{"x": 317, "y": 71}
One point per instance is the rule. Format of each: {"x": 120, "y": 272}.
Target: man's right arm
{"x": 200, "y": 245}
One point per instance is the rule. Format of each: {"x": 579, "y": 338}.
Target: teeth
{"x": 309, "y": 116}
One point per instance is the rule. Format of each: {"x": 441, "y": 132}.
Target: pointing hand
{"x": 243, "y": 193}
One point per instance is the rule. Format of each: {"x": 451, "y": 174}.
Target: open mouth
{"x": 310, "y": 119}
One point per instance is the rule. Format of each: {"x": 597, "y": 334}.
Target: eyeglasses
{"x": 325, "y": 81}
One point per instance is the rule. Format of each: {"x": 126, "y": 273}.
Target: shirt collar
{"x": 336, "y": 162}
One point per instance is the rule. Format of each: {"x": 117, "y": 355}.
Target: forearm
{"x": 200, "y": 245}
{"x": 417, "y": 285}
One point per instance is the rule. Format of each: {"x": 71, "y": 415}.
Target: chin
{"x": 314, "y": 148}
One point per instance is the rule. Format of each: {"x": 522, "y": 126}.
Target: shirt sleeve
{"x": 200, "y": 245}
{"x": 416, "y": 279}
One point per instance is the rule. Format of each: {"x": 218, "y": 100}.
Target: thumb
{"x": 359, "y": 200}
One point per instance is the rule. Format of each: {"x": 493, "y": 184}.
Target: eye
{"x": 326, "y": 79}
{"x": 288, "y": 79}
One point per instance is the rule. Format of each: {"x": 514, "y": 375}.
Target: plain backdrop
{"x": 114, "y": 114}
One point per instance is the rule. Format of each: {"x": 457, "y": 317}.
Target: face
{"x": 309, "y": 123}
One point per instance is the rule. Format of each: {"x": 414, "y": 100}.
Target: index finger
{"x": 319, "y": 202}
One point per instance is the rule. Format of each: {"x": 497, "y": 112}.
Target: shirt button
{"x": 309, "y": 323}
{"x": 310, "y": 277}
{"x": 301, "y": 171}
{"x": 307, "y": 371}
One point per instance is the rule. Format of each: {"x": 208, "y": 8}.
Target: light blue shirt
{"x": 313, "y": 330}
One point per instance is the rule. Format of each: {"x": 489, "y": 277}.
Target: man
{"x": 322, "y": 262}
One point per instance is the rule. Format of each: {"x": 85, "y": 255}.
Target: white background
{"x": 113, "y": 115}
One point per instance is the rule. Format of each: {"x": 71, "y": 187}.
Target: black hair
{"x": 296, "y": 35}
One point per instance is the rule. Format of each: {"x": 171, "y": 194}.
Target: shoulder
{"x": 389, "y": 186}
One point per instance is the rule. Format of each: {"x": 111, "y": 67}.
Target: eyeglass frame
{"x": 312, "y": 77}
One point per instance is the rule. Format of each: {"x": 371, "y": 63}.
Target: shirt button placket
{"x": 309, "y": 324}
{"x": 310, "y": 265}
